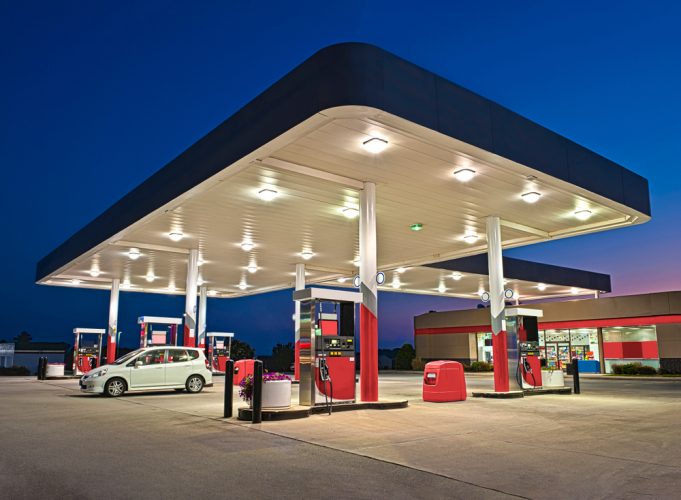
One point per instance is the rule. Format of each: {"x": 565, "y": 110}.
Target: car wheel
{"x": 114, "y": 387}
{"x": 194, "y": 384}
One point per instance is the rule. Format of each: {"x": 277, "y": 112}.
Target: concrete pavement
{"x": 618, "y": 439}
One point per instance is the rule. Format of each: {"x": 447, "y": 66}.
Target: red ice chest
{"x": 242, "y": 369}
{"x": 443, "y": 381}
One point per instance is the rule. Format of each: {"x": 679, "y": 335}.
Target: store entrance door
{"x": 557, "y": 354}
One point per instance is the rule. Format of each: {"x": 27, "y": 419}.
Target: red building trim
{"x": 558, "y": 325}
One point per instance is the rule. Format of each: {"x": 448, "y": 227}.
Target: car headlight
{"x": 100, "y": 373}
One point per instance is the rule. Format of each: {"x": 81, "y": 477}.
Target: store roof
{"x": 303, "y": 139}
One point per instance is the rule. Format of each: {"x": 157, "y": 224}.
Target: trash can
{"x": 444, "y": 381}
{"x": 242, "y": 369}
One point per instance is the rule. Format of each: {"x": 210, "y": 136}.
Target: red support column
{"x": 500, "y": 353}
{"x": 368, "y": 347}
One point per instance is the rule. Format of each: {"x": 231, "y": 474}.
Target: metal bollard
{"x": 39, "y": 371}
{"x": 575, "y": 375}
{"x": 257, "y": 392}
{"x": 45, "y": 363}
{"x": 229, "y": 387}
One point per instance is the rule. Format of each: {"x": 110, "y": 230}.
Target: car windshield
{"x": 127, "y": 357}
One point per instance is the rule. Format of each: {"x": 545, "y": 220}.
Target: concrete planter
{"x": 552, "y": 378}
{"x": 276, "y": 394}
{"x": 54, "y": 370}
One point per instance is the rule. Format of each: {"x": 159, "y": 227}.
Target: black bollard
{"x": 40, "y": 368}
{"x": 45, "y": 363}
{"x": 257, "y": 392}
{"x": 575, "y": 375}
{"x": 229, "y": 383}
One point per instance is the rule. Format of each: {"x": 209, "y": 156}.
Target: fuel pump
{"x": 522, "y": 326}
{"x": 164, "y": 335}
{"x": 87, "y": 354}
{"x": 327, "y": 346}
{"x": 217, "y": 352}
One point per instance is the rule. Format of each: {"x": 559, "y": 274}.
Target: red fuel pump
{"x": 217, "y": 352}
{"x": 164, "y": 335}
{"x": 87, "y": 349}
{"x": 327, "y": 346}
{"x": 523, "y": 323}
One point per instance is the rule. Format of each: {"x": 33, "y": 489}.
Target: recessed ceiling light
{"x": 350, "y": 213}
{"x": 243, "y": 286}
{"x": 356, "y": 262}
{"x": 464, "y": 174}
{"x": 375, "y": 145}
{"x": 470, "y": 238}
{"x": 75, "y": 282}
{"x": 342, "y": 279}
{"x": 94, "y": 272}
{"x": 200, "y": 282}
{"x": 396, "y": 283}
{"x": 456, "y": 276}
{"x": 531, "y": 197}
{"x": 134, "y": 253}
{"x": 175, "y": 235}
{"x": 212, "y": 292}
{"x": 171, "y": 288}
{"x": 267, "y": 194}
{"x": 541, "y": 287}
{"x": 416, "y": 227}
{"x": 126, "y": 284}
{"x": 306, "y": 255}
{"x": 252, "y": 268}
{"x": 574, "y": 291}
{"x": 442, "y": 288}
{"x": 150, "y": 277}
{"x": 200, "y": 262}
{"x": 401, "y": 269}
{"x": 583, "y": 214}
{"x": 247, "y": 246}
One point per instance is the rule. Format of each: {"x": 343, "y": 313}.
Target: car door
{"x": 148, "y": 369}
{"x": 178, "y": 367}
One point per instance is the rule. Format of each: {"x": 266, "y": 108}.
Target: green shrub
{"x": 15, "y": 371}
{"x": 646, "y": 370}
{"x": 633, "y": 369}
{"x": 481, "y": 366}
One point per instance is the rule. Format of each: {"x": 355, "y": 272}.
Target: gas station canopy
{"x": 278, "y": 184}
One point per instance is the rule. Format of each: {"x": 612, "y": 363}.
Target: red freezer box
{"x": 444, "y": 381}
{"x": 242, "y": 369}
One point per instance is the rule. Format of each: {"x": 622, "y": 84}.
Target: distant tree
{"x": 23, "y": 338}
{"x": 404, "y": 357}
{"x": 241, "y": 350}
{"x": 283, "y": 356}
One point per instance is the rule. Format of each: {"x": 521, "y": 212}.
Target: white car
{"x": 151, "y": 368}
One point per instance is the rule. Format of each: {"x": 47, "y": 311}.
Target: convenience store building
{"x": 600, "y": 332}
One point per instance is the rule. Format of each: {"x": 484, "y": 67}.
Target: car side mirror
{"x": 138, "y": 364}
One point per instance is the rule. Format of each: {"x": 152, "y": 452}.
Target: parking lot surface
{"x": 619, "y": 439}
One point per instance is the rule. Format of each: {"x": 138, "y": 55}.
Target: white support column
{"x": 111, "y": 344}
{"x": 368, "y": 330}
{"x": 190, "y": 298}
{"x": 496, "y": 274}
{"x": 300, "y": 285}
{"x": 203, "y": 304}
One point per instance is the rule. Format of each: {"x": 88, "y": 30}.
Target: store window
{"x": 560, "y": 346}
{"x": 630, "y": 344}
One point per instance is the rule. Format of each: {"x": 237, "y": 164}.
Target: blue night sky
{"x": 97, "y": 96}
